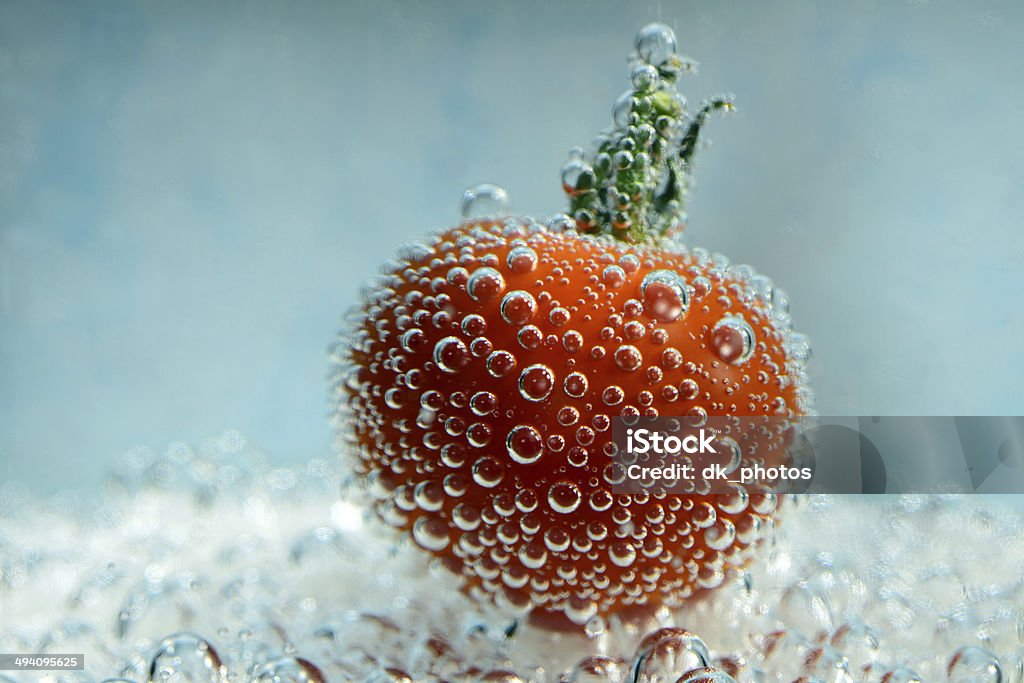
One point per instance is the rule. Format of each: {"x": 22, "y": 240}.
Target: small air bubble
{"x": 525, "y": 444}
{"x": 485, "y": 201}
{"x": 518, "y": 307}
{"x": 536, "y": 382}
{"x": 664, "y": 295}
{"x": 732, "y": 340}
{"x": 655, "y": 44}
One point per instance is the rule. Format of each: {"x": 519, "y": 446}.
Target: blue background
{"x": 192, "y": 193}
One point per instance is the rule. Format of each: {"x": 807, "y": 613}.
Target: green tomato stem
{"x": 634, "y": 186}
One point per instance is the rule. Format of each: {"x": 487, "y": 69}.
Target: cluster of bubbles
{"x": 208, "y": 564}
{"x": 635, "y": 182}
{"x": 478, "y": 382}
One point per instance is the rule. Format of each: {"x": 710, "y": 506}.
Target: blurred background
{"x": 192, "y": 193}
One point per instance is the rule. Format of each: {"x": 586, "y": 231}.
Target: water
{"x": 208, "y": 564}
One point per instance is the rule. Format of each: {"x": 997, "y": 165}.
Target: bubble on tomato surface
{"x": 613, "y": 276}
{"x": 575, "y": 385}
{"x": 485, "y": 283}
{"x": 518, "y": 307}
{"x": 564, "y": 497}
{"x": 488, "y": 472}
{"x": 572, "y": 341}
{"x": 451, "y": 354}
{"x": 622, "y": 554}
{"x": 536, "y": 382}
{"x": 664, "y": 295}
{"x": 500, "y": 363}
{"x": 628, "y": 357}
{"x": 559, "y": 316}
{"x": 567, "y": 416}
{"x": 613, "y": 395}
{"x": 485, "y": 201}
{"x": 525, "y": 444}
{"x": 521, "y": 259}
{"x": 720, "y": 535}
{"x": 732, "y": 340}
{"x": 483, "y": 403}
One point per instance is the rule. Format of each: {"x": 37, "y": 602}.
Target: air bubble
{"x": 572, "y": 341}
{"x": 720, "y": 535}
{"x": 578, "y": 456}
{"x": 412, "y": 340}
{"x": 429, "y": 496}
{"x": 451, "y": 354}
{"x": 485, "y": 284}
{"x": 466, "y": 517}
{"x": 655, "y": 44}
{"x": 621, "y": 554}
{"x": 644, "y": 77}
{"x": 559, "y": 316}
{"x": 667, "y": 652}
{"x": 564, "y": 497}
{"x": 187, "y": 656}
{"x": 533, "y": 555}
{"x": 536, "y": 382}
{"x": 575, "y": 385}
{"x": 664, "y": 294}
{"x": 479, "y": 434}
{"x": 730, "y": 451}
{"x": 530, "y": 337}
{"x": 480, "y": 347}
{"x": 525, "y": 444}
{"x": 485, "y": 201}
{"x": 613, "y": 276}
{"x": 500, "y": 363}
{"x": 526, "y": 500}
{"x": 394, "y": 398}
{"x": 291, "y": 669}
{"x": 453, "y": 455}
{"x": 622, "y": 109}
{"x": 701, "y": 286}
{"x": 613, "y": 395}
{"x": 474, "y": 325}
{"x": 522, "y": 259}
{"x": 518, "y": 307}
{"x": 578, "y": 177}
{"x": 488, "y": 472}
{"x": 628, "y": 358}
{"x": 974, "y": 665}
{"x": 483, "y": 403}
{"x": 556, "y": 538}
{"x": 732, "y": 340}
{"x": 431, "y": 533}
{"x": 567, "y": 416}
